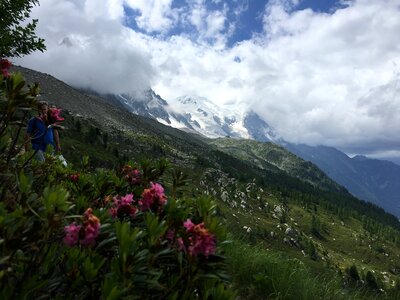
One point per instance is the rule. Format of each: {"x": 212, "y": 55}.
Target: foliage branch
{"x": 16, "y": 39}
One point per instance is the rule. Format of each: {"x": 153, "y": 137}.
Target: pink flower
{"x": 188, "y": 224}
{"x": 74, "y": 177}
{"x": 177, "y": 242}
{"x": 123, "y": 206}
{"x": 54, "y": 115}
{"x": 91, "y": 233}
{"x": 201, "y": 241}
{"x": 133, "y": 176}
{"x": 127, "y": 199}
{"x": 153, "y": 198}
{"x": 91, "y": 226}
{"x": 86, "y": 233}
{"x": 5, "y": 65}
{"x": 157, "y": 189}
{"x": 71, "y": 234}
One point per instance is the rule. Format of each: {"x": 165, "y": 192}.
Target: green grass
{"x": 259, "y": 273}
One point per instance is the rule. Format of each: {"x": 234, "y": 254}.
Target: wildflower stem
{"x": 12, "y": 148}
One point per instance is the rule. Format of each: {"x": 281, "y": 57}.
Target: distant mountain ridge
{"x": 377, "y": 181}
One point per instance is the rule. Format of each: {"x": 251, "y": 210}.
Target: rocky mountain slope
{"x": 376, "y": 181}
{"x": 196, "y": 114}
{"x": 268, "y": 155}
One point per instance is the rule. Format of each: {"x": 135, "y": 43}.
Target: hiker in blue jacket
{"x": 40, "y": 133}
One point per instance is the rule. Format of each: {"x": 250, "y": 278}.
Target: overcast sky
{"x": 320, "y": 72}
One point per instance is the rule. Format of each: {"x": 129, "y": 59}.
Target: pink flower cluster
{"x": 5, "y": 65}
{"x": 123, "y": 207}
{"x": 133, "y": 176}
{"x": 201, "y": 241}
{"x": 91, "y": 226}
{"x": 171, "y": 236}
{"x": 85, "y": 234}
{"x": 74, "y": 177}
{"x": 54, "y": 115}
{"x": 71, "y": 234}
{"x": 153, "y": 198}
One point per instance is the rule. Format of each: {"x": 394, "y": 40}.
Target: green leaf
{"x": 106, "y": 242}
{"x": 25, "y": 183}
{"x": 55, "y": 199}
{"x": 155, "y": 228}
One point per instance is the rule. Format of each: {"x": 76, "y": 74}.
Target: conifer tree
{"x": 371, "y": 281}
{"x": 353, "y": 273}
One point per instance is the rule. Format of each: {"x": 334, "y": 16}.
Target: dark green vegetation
{"x": 271, "y": 157}
{"x": 376, "y": 181}
{"x": 80, "y": 232}
{"x": 18, "y": 38}
{"x": 295, "y": 234}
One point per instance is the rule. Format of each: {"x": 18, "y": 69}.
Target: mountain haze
{"x": 374, "y": 180}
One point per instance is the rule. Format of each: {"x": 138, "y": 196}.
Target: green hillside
{"x": 269, "y": 156}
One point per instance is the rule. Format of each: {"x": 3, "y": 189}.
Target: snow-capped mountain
{"x": 147, "y": 104}
{"x": 197, "y": 114}
{"x": 207, "y": 118}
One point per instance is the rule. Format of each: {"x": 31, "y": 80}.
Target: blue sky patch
{"x": 245, "y": 15}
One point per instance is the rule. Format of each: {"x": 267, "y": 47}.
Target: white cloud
{"x": 111, "y": 9}
{"x": 88, "y": 47}
{"x": 323, "y": 65}
{"x": 317, "y": 78}
{"x": 155, "y": 15}
{"x": 211, "y": 25}
{"x": 215, "y": 23}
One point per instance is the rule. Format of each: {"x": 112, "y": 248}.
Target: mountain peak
{"x": 360, "y": 158}
{"x": 258, "y": 128}
{"x": 188, "y": 100}
{"x": 196, "y": 102}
